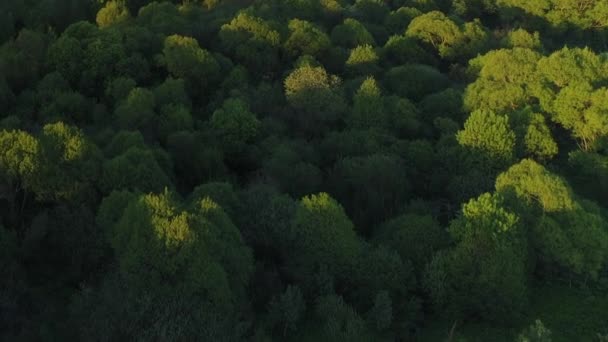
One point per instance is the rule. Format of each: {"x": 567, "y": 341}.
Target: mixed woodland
{"x": 304, "y": 170}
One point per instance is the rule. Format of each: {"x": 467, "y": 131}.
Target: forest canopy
{"x": 304, "y": 170}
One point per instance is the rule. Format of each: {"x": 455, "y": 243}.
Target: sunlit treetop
{"x": 589, "y": 14}
{"x": 488, "y": 135}
{"x": 451, "y": 40}
{"x": 531, "y": 182}
{"x": 114, "y": 12}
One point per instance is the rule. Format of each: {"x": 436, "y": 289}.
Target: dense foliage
{"x": 303, "y": 170}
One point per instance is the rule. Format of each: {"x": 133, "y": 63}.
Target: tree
{"x": 293, "y": 173}
{"x": 415, "y": 237}
{"x": 234, "y": 124}
{"x": 566, "y": 232}
{"x": 252, "y": 41}
{"x": 172, "y": 92}
{"x": 560, "y": 13}
{"x": 507, "y": 80}
{"x": 368, "y": 107}
{"x": 572, "y": 66}
{"x": 397, "y": 21}
{"x": 446, "y": 103}
{"x": 185, "y": 58}
{"x": 588, "y": 174}
{"x": 363, "y": 60}
{"x": 534, "y": 138}
{"x": 70, "y": 163}
{"x": 286, "y": 310}
{"x": 174, "y": 118}
{"x": 379, "y": 269}
{"x": 119, "y": 88}
{"x": 536, "y": 332}
{"x": 339, "y": 321}
{"x": 535, "y": 185}
{"x": 489, "y": 138}
{"x": 113, "y": 12}
{"x": 315, "y": 95}
{"x": 523, "y": 39}
{"x": 371, "y": 11}
{"x": 87, "y": 56}
{"x": 306, "y": 39}
{"x": 350, "y": 34}
{"x": 381, "y": 314}
{"x": 20, "y": 155}
{"x": 13, "y": 287}
{"x": 583, "y": 111}
{"x": 186, "y": 271}
{"x": 371, "y": 188}
{"x": 414, "y": 81}
{"x": 265, "y": 218}
{"x": 194, "y": 162}
{"x": 449, "y": 39}
{"x": 137, "y": 110}
{"x": 399, "y": 49}
{"x": 323, "y": 236}
{"x": 136, "y": 169}
{"x": 160, "y": 17}
{"x": 23, "y": 58}
{"x": 485, "y": 273}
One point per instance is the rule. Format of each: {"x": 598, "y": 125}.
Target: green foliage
{"x": 583, "y": 111}
{"x": 371, "y": 188}
{"x": 350, "y": 34}
{"x": 119, "y": 88}
{"x": 506, "y": 80}
{"x": 485, "y": 272}
{"x": 398, "y": 20}
{"x": 170, "y": 254}
{"x": 400, "y": 50}
{"x": 306, "y": 39}
{"x": 537, "y": 332}
{"x": 234, "y": 124}
{"x": 114, "y": 12}
{"x": 71, "y": 164}
{"x": 315, "y": 95}
{"x": 537, "y": 140}
{"x": 415, "y": 237}
{"x": 286, "y": 310}
{"x": 252, "y": 41}
{"x": 368, "y": 107}
{"x": 414, "y": 81}
{"x": 291, "y": 171}
{"x": 174, "y": 118}
{"x": 134, "y": 169}
{"x": 452, "y": 41}
{"x": 588, "y": 172}
{"x": 322, "y": 236}
{"x": 339, "y": 321}
{"x": 572, "y": 66}
{"x": 489, "y": 137}
{"x": 184, "y": 58}
{"x": 193, "y": 165}
{"x": 267, "y": 216}
{"x": 363, "y": 60}
{"x": 382, "y": 269}
{"x": 523, "y": 39}
{"x": 381, "y": 314}
{"x": 532, "y": 183}
{"x": 19, "y": 159}
{"x": 560, "y": 13}
{"x": 569, "y": 233}
{"x": 189, "y": 127}
{"x": 137, "y": 110}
